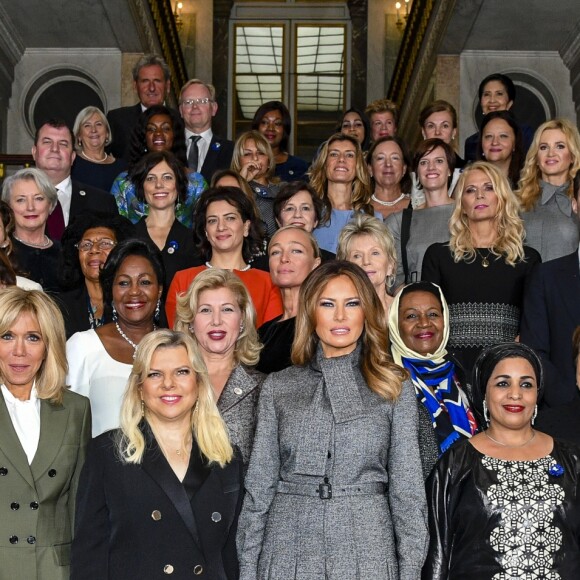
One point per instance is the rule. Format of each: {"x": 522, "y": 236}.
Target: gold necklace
{"x": 510, "y": 446}
{"x": 484, "y": 259}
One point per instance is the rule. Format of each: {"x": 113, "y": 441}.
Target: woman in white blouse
{"x": 44, "y": 430}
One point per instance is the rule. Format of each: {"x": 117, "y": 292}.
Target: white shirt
{"x": 25, "y": 416}
{"x": 202, "y": 146}
{"x": 64, "y": 191}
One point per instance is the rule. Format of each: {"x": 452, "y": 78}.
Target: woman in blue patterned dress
{"x": 505, "y": 504}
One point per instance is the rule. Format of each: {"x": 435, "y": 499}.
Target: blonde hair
{"x": 367, "y": 225}
{"x": 51, "y": 376}
{"x": 311, "y": 239}
{"x": 361, "y": 186}
{"x": 83, "y": 116}
{"x": 529, "y": 190}
{"x": 381, "y": 374}
{"x": 207, "y": 425}
{"x": 248, "y": 347}
{"x": 262, "y": 146}
{"x": 509, "y": 224}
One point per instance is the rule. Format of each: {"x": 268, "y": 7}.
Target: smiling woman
{"x": 170, "y": 471}
{"x": 495, "y": 485}
{"x": 100, "y": 360}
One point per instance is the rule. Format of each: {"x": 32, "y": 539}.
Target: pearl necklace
{"x": 44, "y": 244}
{"x": 244, "y": 269}
{"x": 123, "y": 335}
{"x": 511, "y": 446}
{"x": 388, "y": 203}
{"x": 95, "y": 160}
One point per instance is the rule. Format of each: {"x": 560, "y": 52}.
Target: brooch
{"x": 173, "y": 247}
{"x": 216, "y": 146}
{"x": 556, "y": 470}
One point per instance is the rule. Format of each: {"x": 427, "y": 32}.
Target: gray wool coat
{"x": 238, "y": 404}
{"x": 322, "y": 432}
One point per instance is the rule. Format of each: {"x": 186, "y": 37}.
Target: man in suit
{"x": 151, "y": 81}
{"x": 551, "y": 312}
{"x": 206, "y": 153}
{"x": 53, "y": 153}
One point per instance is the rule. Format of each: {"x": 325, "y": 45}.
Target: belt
{"x": 326, "y": 490}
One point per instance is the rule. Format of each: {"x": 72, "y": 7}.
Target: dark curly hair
{"x": 289, "y": 190}
{"x": 139, "y": 144}
{"x": 119, "y": 253}
{"x": 70, "y": 274}
{"x": 253, "y": 243}
{"x": 148, "y": 162}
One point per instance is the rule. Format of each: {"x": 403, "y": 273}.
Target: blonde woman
{"x": 367, "y": 242}
{"x": 327, "y": 496}
{"x": 254, "y": 160}
{"x": 218, "y": 313}
{"x": 44, "y": 432}
{"x": 546, "y": 192}
{"x": 484, "y": 268}
{"x": 341, "y": 179}
{"x": 161, "y": 494}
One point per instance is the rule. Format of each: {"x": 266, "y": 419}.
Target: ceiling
{"x": 526, "y": 25}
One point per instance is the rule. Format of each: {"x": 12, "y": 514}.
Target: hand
{"x": 249, "y": 171}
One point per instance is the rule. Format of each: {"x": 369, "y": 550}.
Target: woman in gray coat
{"x": 334, "y": 486}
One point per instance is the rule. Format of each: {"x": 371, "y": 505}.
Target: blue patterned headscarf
{"x": 433, "y": 376}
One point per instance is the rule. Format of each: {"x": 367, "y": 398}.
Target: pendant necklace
{"x": 484, "y": 259}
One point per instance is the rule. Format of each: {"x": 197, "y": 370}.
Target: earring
{"x": 242, "y": 327}
{"x": 142, "y": 408}
{"x": 115, "y": 317}
{"x": 157, "y": 311}
{"x": 190, "y": 328}
{"x": 485, "y": 412}
{"x": 535, "y": 414}
{"x": 390, "y": 280}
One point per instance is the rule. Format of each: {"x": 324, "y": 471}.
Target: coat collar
{"x": 238, "y": 386}
{"x": 157, "y": 467}
{"x": 53, "y": 424}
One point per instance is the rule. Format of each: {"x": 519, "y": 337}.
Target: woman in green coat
{"x": 44, "y": 430}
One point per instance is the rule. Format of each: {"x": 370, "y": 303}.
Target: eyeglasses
{"x": 104, "y": 245}
{"x": 198, "y": 102}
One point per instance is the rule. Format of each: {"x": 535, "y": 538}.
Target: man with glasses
{"x": 206, "y": 153}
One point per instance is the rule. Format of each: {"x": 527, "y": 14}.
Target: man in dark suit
{"x": 151, "y": 81}
{"x": 53, "y": 153}
{"x": 206, "y": 153}
{"x": 551, "y": 312}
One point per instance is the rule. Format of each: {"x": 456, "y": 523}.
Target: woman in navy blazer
{"x": 161, "y": 495}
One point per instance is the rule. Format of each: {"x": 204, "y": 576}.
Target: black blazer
{"x": 136, "y": 521}
{"x": 551, "y": 312}
{"x": 219, "y": 156}
{"x": 122, "y": 122}
{"x": 88, "y": 198}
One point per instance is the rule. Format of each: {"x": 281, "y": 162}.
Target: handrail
{"x": 413, "y": 36}
{"x": 169, "y": 40}
{"x": 9, "y": 159}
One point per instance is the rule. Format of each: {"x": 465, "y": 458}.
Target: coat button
{"x": 33, "y": 505}
{"x": 216, "y": 517}
{"x": 3, "y": 471}
{"x": 168, "y": 569}
{"x": 82, "y": 192}
{"x": 198, "y": 570}
{"x": 156, "y": 515}
{"x": 52, "y": 473}
{"x": 238, "y": 391}
{"x": 13, "y": 539}
{"x": 31, "y": 540}
{"x": 14, "y": 506}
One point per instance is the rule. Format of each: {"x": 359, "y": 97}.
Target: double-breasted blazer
{"x": 334, "y": 486}
{"x": 137, "y": 521}
{"x": 238, "y": 405}
{"x": 37, "y": 500}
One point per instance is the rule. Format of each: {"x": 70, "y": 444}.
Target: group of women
{"x": 312, "y": 389}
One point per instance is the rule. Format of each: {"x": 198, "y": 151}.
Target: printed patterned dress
{"x": 492, "y": 519}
